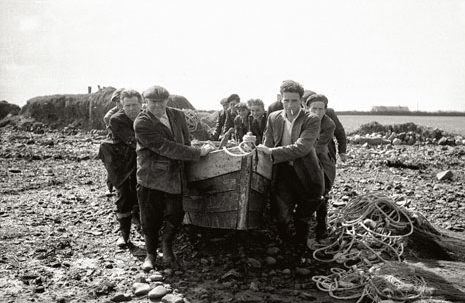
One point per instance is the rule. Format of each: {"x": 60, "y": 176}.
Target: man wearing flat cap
{"x": 318, "y": 105}
{"x": 163, "y": 144}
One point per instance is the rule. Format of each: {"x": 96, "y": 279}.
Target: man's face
{"x": 158, "y": 108}
{"x": 243, "y": 112}
{"x": 291, "y": 102}
{"x": 257, "y": 111}
{"x": 131, "y": 107}
{"x": 318, "y": 108}
{"x": 233, "y": 103}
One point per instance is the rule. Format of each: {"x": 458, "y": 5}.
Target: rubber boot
{"x": 301, "y": 236}
{"x": 284, "y": 232}
{"x": 169, "y": 259}
{"x": 151, "y": 245}
{"x": 321, "y": 229}
{"x": 125, "y": 229}
{"x": 135, "y": 219}
{"x": 149, "y": 262}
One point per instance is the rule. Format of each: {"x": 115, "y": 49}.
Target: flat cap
{"x": 156, "y": 93}
{"x": 115, "y": 97}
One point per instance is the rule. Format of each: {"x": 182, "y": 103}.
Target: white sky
{"x": 358, "y": 53}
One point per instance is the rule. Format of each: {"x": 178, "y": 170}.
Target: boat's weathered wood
{"x": 215, "y": 164}
{"x": 230, "y": 194}
{"x": 264, "y": 165}
{"x": 215, "y": 203}
{"x": 246, "y": 171}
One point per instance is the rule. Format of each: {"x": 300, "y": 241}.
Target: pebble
{"x": 270, "y": 260}
{"x": 254, "y": 286}
{"x": 171, "y": 298}
{"x": 120, "y": 297}
{"x": 271, "y": 251}
{"x": 254, "y": 263}
{"x": 287, "y": 271}
{"x": 302, "y": 271}
{"x": 444, "y": 175}
{"x": 157, "y": 292}
{"x": 141, "y": 289}
{"x": 156, "y": 277}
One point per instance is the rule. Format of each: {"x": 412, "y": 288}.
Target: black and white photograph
{"x": 232, "y": 151}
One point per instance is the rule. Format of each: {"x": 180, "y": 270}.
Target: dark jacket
{"x": 328, "y": 161}
{"x": 339, "y": 133}
{"x": 229, "y": 120}
{"x": 219, "y": 125}
{"x": 161, "y": 152}
{"x": 240, "y": 127}
{"x": 257, "y": 127}
{"x": 275, "y": 106}
{"x": 302, "y": 152}
{"x": 119, "y": 155}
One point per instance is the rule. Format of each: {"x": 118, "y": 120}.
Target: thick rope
{"x": 366, "y": 235}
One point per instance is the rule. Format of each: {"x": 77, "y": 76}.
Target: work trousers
{"x": 289, "y": 194}
{"x": 155, "y": 207}
{"x": 126, "y": 198}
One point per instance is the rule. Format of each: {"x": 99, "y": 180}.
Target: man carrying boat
{"x": 339, "y": 132}
{"x": 318, "y": 104}
{"x": 258, "y": 125}
{"x": 298, "y": 180}
{"x": 119, "y": 157}
{"x": 163, "y": 144}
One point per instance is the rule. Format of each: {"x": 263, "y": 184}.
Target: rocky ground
{"x": 58, "y": 229}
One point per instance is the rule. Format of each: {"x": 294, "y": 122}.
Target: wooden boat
{"x": 226, "y": 191}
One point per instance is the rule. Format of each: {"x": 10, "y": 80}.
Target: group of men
{"x": 145, "y": 160}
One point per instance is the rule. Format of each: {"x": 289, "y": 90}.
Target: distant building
{"x": 390, "y": 109}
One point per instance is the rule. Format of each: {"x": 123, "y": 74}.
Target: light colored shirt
{"x": 287, "y": 131}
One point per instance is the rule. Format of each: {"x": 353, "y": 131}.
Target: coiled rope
{"x": 368, "y": 232}
{"x": 245, "y": 148}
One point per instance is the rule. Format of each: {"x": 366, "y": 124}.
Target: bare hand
{"x": 343, "y": 157}
{"x": 266, "y": 150}
{"x": 204, "y": 150}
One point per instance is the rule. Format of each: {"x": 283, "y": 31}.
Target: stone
{"x": 270, "y": 260}
{"x": 171, "y": 298}
{"x": 231, "y": 274}
{"x": 396, "y": 141}
{"x": 157, "y": 293}
{"x": 444, "y": 175}
{"x": 302, "y": 271}
{"x": 254, "y": 263}
{"x": 442, "y": 141}
{"x": 287, "y": 271}
{"x": 120, "y": 297}
{"x": 156, "y": 277}
{"x": 254, "y": 286}
{"x": 141, "y": 289}
{"x": 272, "y": 251}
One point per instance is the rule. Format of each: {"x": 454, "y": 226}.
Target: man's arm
{"x": 339, "y": 132}
{"x": 219, "y": 125}
{"x": 111, "y": 112}
{"x": 151, "y": 136}
{"x": 268, "y": 140}
{"x": 185, "y": 130}
{"x": 302, "y": 146}
{"x": 122, "y": 132}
